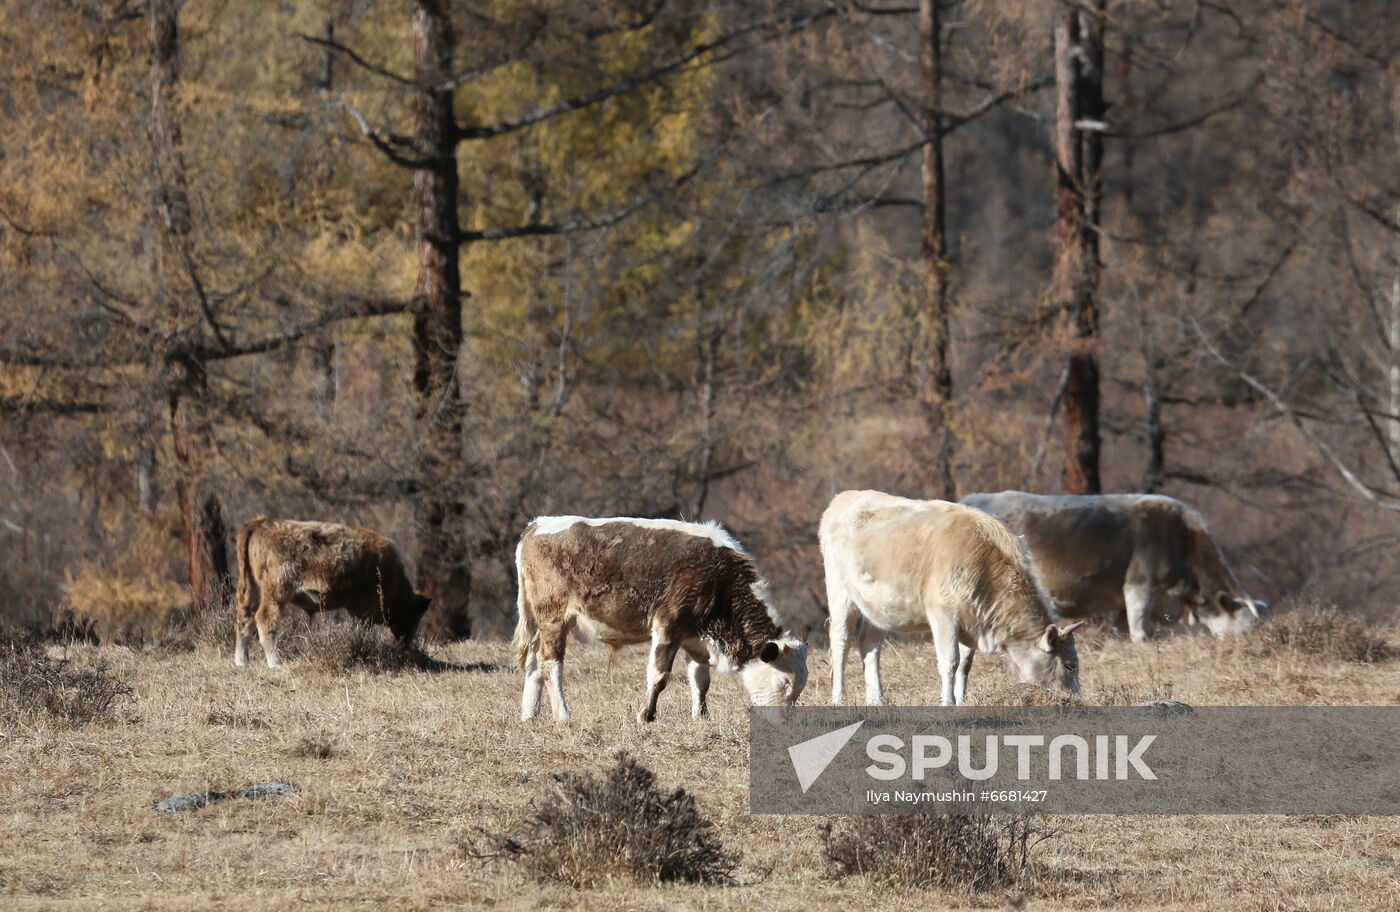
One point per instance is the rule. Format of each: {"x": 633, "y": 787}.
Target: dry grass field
{"x": 400, "y": 772}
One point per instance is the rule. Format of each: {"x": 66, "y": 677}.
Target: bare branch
{"x": 579, "y": 223}
{"x": 356, "y": 58}
{"x": 1386, "y": 500}
{"x": 670, "y": 67}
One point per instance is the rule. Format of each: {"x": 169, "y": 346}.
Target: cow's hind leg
{"x": 945, "y": 643}
{"x": 243, "y": 622}
{"x": 698, "y": 668}
{"x": 844, "y": 619}
{"x": 269, "y": 618}
{"x": 1139, "y": 598}
{"x": 553, "y": 639}
{"x": 966, "y": 653}
{"x": 663, "y": 655}
{"x": 534, "y": 681}
{"x": 870, "y": 641}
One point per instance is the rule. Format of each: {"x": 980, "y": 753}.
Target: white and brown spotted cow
{"x": 894, "y": 564}
{"x": 1117, "y": 555}
{"x": 683, "y": 587}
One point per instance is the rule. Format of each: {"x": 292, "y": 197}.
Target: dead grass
{"x": 37, "y": 688}
{"x": 422, "y": 761}
{"x": 356, "y": 646}
{"x": 591, "y": 830}
{"x": 958, "y": 854}
{"x": 1319, "y": 631}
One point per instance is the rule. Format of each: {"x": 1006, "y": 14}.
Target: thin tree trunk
{"x": 443, "y": 572}
{"x": 323, "y": 346}
{"x": 1076, "y": 260}
{"x": 201, "y": 515}
{"x": 938, "y": 380}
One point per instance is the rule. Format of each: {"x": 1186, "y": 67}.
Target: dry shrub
{"x": 1318, "y": 630}
{"x": 311, "y": 749}
{"x": 36, "y": 688}
{"x": 355, "y": 645}
{"x": 590, "y": 830}
{"x": 959, "y": 853}
{"x": 1015, "y": 693}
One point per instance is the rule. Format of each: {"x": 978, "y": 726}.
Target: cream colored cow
{"x": 894, "y": 564}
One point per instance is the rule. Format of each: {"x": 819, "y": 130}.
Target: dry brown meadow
{"x": 400, "y": 771}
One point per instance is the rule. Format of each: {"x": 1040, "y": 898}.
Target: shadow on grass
{"x": 424, "y": 662}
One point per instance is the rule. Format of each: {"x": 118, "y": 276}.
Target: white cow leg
{"x": 945, "y": 643}
{"x": 964, "y": 669}
{"x": 534, "y": 681}
{"x": 871, "y": 638}
{"x": 556, "y": 690}
{"x": 699, "y": 688}
{"x": 1138, "y": 599}
{"x": 841, "y": 625}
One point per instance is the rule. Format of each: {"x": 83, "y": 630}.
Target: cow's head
{"x": 777, "y": 674}
{"x": 1227, "y": 614}
{"x": 408, "y": 615}
{"x": 1054, "y": 662}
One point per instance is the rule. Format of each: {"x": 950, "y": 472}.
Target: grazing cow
{"x": 1115, "y": 555}
{"x": 319, "y": 566}
{"x": 894, "y": 564}
{"x": 681, "y": 586}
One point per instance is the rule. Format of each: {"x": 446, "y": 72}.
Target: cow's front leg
{"x": 698, "y": 669}
{"x": 663, "y": 655}
{"x": 1138, "y": 599}
{"x": 945, "y": 643}
{"x": 871, "y": 638}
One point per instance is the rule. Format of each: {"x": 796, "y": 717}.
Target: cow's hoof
{"x": 644, "y": 716}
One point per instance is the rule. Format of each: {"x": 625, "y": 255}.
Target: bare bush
{"x": 355, "y": 645}
{"x": 963, "y": 854}
{"x": 590, "y": 830}
{"x": 36, "y": 688}
{"x": 1319, "y": 630}
{"x": 1015, "y": 693}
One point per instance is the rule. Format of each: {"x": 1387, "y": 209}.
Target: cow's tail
{"x": 247, "y": 585}
{"x": 526, "y": 630}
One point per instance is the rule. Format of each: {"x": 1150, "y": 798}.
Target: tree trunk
{"x": 938, "y": 379}
{"x": 443, "y": 573}
{"x": 1078, "y": 96}
{"x": 201, "y": 515}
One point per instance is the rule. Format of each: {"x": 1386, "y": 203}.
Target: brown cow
{"x": 682, "y": 586}
{"x": 319, "y": 566}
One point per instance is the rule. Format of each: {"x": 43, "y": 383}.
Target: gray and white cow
{"x": 1117, "y": 555}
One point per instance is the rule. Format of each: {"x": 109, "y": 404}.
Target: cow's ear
{"x": 770, "y": 652}
{"x": 1226, "y": 602}
{"x": 1051, "y": 638}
